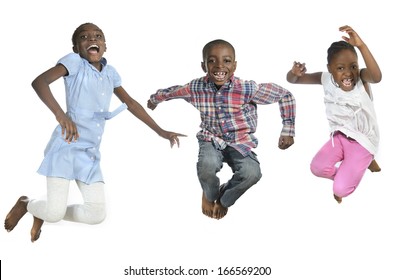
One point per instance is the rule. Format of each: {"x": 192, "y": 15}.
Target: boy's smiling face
{"x": 219, "y": 63}
{"x": 90, "y": 44}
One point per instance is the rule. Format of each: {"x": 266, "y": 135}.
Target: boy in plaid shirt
{"x": 228, "y": 109}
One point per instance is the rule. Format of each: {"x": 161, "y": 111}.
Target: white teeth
{"x": 219, "y": 76}
{"x": 92, "y": 46}
{"x": 347, "y": 82}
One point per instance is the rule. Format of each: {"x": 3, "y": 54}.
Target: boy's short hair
{"x": 216, "y": 42}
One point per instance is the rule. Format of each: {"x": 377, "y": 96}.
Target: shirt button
{"x": 98, "y": 124}
{"x": 99, "y": 137}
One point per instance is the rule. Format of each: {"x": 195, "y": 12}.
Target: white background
{"x": 289, "y": 221}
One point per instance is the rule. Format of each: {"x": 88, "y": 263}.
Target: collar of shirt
{"x": 103, "y": 61}
{"x": 227, "y": 83}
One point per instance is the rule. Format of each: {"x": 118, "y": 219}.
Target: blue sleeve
{"x": 115, "y": 76}
{"x": 72, "y": 62}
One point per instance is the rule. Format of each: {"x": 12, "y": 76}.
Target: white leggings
{"x": 55, "y": 208}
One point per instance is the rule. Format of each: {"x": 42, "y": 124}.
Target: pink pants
{"x": 354, "y": 159}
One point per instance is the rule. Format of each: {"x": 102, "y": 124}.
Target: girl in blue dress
{"x": 73, "y": 152}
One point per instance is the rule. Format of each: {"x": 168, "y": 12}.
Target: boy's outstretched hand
{"x": 150, "y": 105}
{"x": 173, "y": 137}
{"x": 285, "y": 142}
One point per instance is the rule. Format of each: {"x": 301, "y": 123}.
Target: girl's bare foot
{"x": 16, "y": 213}
{"x": 219, "y": 211}
{"x": 374, "y": 167}
{"x": 207, "y": 206}
{"x": 338, "y": 199}
{"x": 36, "y": 229}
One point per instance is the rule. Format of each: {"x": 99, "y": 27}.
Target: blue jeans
{"x": 246, "y": 172}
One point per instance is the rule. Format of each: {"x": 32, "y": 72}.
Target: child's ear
{"x": 328, "y": 68}
{"x": 203, "y": 66}
{"x": 75, "y": 49}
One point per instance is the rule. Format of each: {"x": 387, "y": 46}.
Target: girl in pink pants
{"x": 354, "y": 162}
{"x": 349, "y": 110}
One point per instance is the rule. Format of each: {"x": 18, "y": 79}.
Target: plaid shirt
{"x": 229, "y": 114}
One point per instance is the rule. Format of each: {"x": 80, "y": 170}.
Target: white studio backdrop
{"x": 289, "y": 221}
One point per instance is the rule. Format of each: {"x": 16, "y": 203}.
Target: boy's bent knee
{"x": 252, "y": 175}
{"x": 258, "y": 176}
{"x": 254, "y": 178}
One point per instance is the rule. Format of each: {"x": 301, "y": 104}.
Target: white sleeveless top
{"x": 351, "y": 112}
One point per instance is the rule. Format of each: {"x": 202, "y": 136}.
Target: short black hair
{"x": 338, "y": 46}
{"x": 216, "y": 42}
{"x": 78, "y": 30}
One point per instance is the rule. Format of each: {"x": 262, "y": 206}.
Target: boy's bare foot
{"x": 16, "y": 213}
{"x": 338, "y": 199}
{"x": 207, "y": 206}
{"x": 219, "y": 211}
{"x": 374, "y": 167}
{"x": 36, "y": 229}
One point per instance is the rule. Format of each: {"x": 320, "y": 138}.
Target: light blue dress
{"x": 88, "y": 96}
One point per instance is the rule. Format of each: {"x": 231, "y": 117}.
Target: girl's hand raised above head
{"x": 354, "y": 38}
